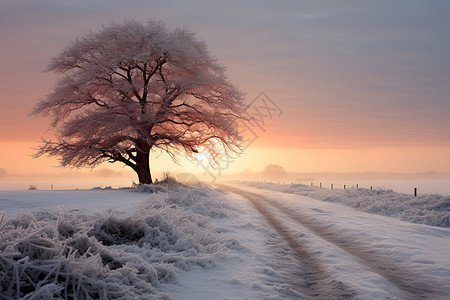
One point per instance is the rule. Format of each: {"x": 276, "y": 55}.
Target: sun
{"x": 202, "y": 156}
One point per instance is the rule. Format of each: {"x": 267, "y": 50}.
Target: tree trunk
{"x": 143, "y": 166}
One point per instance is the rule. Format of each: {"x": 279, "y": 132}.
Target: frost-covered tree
{"x": 130, "y": 88}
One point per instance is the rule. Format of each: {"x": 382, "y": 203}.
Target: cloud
{"x": 3, "y": 173}
{"x": 362, "y": 71}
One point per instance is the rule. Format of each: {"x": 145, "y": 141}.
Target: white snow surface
{"x": 430, "y": 209}
{"x": 110, "y": 254}
{"x": 205, "y": 243}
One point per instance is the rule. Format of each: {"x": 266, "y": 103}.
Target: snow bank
{"x": 425, "y": 209}
{"x": 111, "y": 255}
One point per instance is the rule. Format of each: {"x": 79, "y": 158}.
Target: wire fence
{"x": 333, "y": 185}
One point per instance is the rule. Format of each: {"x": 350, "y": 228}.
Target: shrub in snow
{"x": 72, "y": 255}
{"x": 148, "y": 188}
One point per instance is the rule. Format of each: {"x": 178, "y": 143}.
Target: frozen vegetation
{"x": 71, "y": 254}
{"x": 175, "y": 242}
{"x": 430, "y": 209}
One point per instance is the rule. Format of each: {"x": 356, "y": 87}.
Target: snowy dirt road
{"x": 344, "y": 255}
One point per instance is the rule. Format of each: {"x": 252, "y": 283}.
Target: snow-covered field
{"x": 232, "y": 242}
{"x": 430, "y": 209}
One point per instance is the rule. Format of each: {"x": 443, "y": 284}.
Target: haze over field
{"x": 360, "y": 87}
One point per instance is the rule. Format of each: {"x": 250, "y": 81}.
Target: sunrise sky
{"x": 361, "y": 85}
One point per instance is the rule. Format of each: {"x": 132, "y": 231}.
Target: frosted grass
{"x": 70, "y": 254}
{"x": 430, "y": 209}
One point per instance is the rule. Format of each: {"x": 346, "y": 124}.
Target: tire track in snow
{"x": 407, "y": 280}
{"x": 319, "y": 283}
{"x": 399, "y": 276}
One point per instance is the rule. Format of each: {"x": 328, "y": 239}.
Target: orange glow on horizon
{"x": 18, "y": 163}
{"x": 346, "y": 107}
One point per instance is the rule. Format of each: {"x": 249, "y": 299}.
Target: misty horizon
{"x": 104, "y": 172}
{"x": 367, "y": 101}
